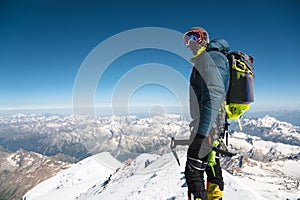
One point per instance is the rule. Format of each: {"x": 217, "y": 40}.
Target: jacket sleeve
{"x": 213, "y": 68}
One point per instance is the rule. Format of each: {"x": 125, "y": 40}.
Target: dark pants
{"x": 194, "y": 174}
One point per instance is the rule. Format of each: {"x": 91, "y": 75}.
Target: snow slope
{"x": 161, "y": 179}
{"x": 70, "y": 183}
{"x": 147, "y": 177}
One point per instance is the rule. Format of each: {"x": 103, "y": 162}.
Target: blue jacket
{"x": 209, "y": 83}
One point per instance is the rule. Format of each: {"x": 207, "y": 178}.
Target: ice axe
{"x": 175, "y": 143}
{"x": 187, "y": 142}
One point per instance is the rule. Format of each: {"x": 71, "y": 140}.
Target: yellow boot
{"x": 214, "y": 192}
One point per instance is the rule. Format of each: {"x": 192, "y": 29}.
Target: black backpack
{"x": 241, "y": 90}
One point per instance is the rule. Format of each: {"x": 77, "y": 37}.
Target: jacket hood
{"x": 218, "y": 45}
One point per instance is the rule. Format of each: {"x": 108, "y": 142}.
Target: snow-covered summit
{"x": 70, "y": 183}
{"x": 147, "y": 177}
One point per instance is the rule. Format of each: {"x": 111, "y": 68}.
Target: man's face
{"x": 194, "y": 46}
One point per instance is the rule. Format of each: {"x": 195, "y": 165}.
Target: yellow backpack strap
{"x": 245, "y": 68}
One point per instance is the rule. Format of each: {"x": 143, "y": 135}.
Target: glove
{"x": 195, "y": 146}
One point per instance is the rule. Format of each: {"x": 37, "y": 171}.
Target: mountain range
{"x": 81, "y": 136}
{"x": 267, "y": 160}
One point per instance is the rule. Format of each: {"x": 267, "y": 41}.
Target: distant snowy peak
{"x": 21, "y": 170}
{"x": 271, "y": 129}
{"x": 270, "y": 122}
{"x": 267, "y": 121}
{"x": 22, "y": 159}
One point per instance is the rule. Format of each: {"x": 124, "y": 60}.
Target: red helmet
{"x": 198, "y": 34}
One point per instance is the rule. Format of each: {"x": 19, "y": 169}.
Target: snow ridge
{"x": 70, "y": 183}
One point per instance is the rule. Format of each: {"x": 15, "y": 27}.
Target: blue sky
{"x": 43, "y": 44}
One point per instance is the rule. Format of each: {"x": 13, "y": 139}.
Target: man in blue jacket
{"x": 209, "y": 83}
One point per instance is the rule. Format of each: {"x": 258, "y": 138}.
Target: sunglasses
{"x": 196, "y": 35}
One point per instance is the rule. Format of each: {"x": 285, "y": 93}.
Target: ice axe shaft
{"x": 223, "y": 152}
{"x": 175, "y": 143}
{"x": 180, "y": 142}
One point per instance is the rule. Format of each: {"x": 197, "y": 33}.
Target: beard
{"x": 194, "y": 46}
